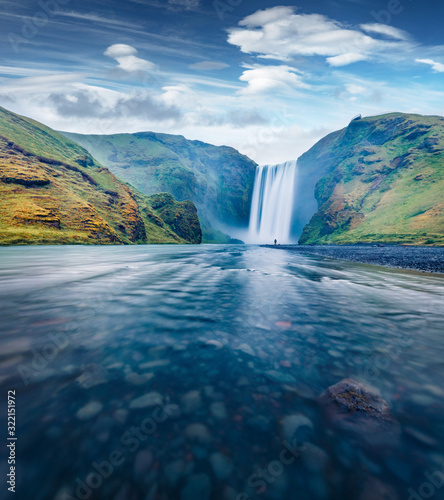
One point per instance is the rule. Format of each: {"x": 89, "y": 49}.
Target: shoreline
{"x": 424, "y": 259}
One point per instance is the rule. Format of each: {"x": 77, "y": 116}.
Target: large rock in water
{"x": 360, "y": 411}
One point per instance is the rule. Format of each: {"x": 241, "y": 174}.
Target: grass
{"x": 52, "y": 191}
{"x": 219, "y": 180}
{"x": 385, "y": 183}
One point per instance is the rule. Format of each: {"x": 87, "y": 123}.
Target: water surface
{"x": 188, "y": 368}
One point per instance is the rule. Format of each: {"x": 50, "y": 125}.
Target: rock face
{"x": 217, "y": 179}
{"x": 380, "y": 180}
{"x": 361, "y": 412}
{"x": 52, "y": 192}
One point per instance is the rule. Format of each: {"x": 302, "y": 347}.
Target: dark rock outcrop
{"x": 361, "y": 412}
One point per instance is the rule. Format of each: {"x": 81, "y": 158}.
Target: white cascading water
{"x": 272, "y": 203}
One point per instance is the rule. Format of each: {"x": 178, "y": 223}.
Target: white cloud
{"x": 385, "y": 30}
{"x": 39, "y": 84}
{"x": 265, "y": 78}
{"x": 209, "y": 65}
{"x": 125, "y": 55}
{"x": 280, "y": 33}
{"x": 352, "y": 88}
{"x": 436, "y": 66}
{"x": 345, "y": 59}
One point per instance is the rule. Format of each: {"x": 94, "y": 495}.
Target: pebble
{"x": 422, "y": 399}
{"x": 173, "y": 472}
{"x": 143, "y": 462}
{"x": 147, "y": 400}
{"x": 284, "y": 378}
{"x": 335, "y": 354}
{"x": 246, "y": 349}
{"x": 214, "y": 343}
{"x": 297, "y": 427}
{"x": 89, "y": 411}
{"x": 259, "y": 423}
{"x": 243, "y": 381}
{"x": 434, "y": 389}
{"x": 218, "y": 410}
{"x": 154, "y": 364}
{"x": 222, "y": 465}
{"x": 120, "y": 415}
{"x": 198, "y": 487}
{"x": 198, "y": 432}
{"x": 137, "y": 379}
{"x": 191, "y": 402}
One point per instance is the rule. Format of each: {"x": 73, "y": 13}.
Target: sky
{"x": 269, "y": 78}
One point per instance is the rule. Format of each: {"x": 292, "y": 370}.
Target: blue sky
{"x": 267, "y": 77}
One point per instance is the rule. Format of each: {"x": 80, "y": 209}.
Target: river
{"x": 183, "y": 372}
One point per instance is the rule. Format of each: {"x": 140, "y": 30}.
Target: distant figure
{"x": 275, "y": 242}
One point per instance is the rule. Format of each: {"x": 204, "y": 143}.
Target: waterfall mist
{"x": 272, "y": 203}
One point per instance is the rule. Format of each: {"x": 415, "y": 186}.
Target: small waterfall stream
{"x": 272, "y": 203}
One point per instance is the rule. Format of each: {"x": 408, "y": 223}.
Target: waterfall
{"x": 272, "y": 203}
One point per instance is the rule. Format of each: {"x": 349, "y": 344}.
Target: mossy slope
{"x": 52, "y": 191}
{"x": 383, "y": 181}
{"x": 218, "y": 179}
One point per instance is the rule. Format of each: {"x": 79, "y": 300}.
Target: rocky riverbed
{"x": 220, "y": 373}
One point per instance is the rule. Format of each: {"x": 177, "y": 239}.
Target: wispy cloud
{"x": 209, "y": 65}
{"x": 436, "y": 66}
{"x": 386, "y": 30}
{"x": 97, "y": 19}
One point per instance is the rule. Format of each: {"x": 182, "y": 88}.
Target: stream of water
{"x": 185, "y": 372}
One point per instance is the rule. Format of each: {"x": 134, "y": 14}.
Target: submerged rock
{"x": 198, "y": 432}
{"x": 174, "y": 471}
{"x": 90, "y": 410}
{"x": 281, "y": 377}
{"x": 222, "y": 465}
{"x": 142, "y": 462}
{"x": 198, "y": 487}
{"x": 147, "y": 400}
{"x": 297, "y": 427}
{"x": 360, "y": 410}
{"x": 191, "y": 402}
{"x": 218, "y": 410}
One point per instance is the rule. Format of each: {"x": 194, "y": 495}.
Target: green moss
{"x": 219, "y": 180}
{"x": 52, "y": 191}
{"x": 383, "y": 182}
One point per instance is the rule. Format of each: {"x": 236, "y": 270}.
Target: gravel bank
{"x": 426, "y": 259}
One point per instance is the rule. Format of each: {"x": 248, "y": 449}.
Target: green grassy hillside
{"x": 382, "y": 181}
{"x": 53, "y": 191}
{"x": 219, "y": 180}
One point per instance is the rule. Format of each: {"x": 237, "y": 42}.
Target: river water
{"x": 190, "y": 372}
